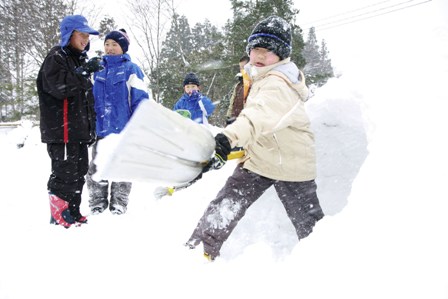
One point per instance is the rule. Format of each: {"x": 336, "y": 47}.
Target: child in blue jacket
{"x": 118, "y": 90}
{"x": 198, "y": 106}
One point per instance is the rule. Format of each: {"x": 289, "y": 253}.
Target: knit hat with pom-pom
{"x": 272, "y": 33}
{"x": 120, "y": 37}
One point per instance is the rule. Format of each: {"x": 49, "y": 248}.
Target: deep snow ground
{"x": 385, "y": 235}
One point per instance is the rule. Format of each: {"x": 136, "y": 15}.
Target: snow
{"x": 381, "y": 139}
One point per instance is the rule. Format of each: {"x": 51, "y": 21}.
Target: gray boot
{"x": 119, "y": 197}
{"x": 98, "y": 192}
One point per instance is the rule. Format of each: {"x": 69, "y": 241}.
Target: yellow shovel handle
{"x": 235, "y": 155}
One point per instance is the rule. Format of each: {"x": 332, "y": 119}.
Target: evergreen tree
{"x": 210, "y": 52}
{"x": 318, "y": 65}
{"x": 197, "y": 50}
{"x": 311, "y": 54}
{"x": 44, "y": 27}
{"x": 26, "y": 37}
{"x": 246, "y": 14}
{"x": 208, "y": 62}
{"x": 175, "y": 60}
{"x": 106, "y": 25}
{"x": 326, "y": 68}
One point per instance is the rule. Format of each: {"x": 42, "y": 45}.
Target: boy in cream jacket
{"x": 274, "y": 130}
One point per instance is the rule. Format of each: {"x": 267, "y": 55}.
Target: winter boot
{"x": 82, "y": 220}
{"x": 209, "y": 257}
{"x": 75, "y": 203}
{"x": 119, "y": 197}
{"x": 60, "y": 213}
{"x": 192, "y": 243}
{"x": 98, "y": 192}
{"x": 195, "y": 238}
{"x": 117, "y": 209}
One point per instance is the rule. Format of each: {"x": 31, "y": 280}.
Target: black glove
{"x": 222, "y": 149}
{"x": 92, "y": 66}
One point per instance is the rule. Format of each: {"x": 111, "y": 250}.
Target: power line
{"x": 345, "y": 13}
{"x": 377, "y": 15}
{"x": 357, "y": 18}
{"x": 367, "y": 13}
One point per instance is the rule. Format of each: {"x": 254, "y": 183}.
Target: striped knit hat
{"x": 274, "y": 34}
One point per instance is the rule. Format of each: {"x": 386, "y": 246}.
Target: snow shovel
{"x": 161, "y": 191}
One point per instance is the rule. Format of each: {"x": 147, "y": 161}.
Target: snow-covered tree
{"x": 311, "y": 54}
{"x": 318, "y": 64}
{"x": 26, "y": 38}
{"x": 326, "y": 68}
{"x": 174, "y": 60}
{"x": 106, "y": 25}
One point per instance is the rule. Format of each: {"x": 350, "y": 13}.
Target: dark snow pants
{"x": 99, "y": 191}
{"x": 241, "y": 190}
{"x": 69, "y": 165}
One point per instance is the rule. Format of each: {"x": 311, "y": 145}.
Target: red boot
{"x": 60, "y": 213}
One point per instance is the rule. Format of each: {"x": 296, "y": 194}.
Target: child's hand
{"x": 195, "y": 94}
{"x": 222, "y": 150}
{"x": 93, "y": 65}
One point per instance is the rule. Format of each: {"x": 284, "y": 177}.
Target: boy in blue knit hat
{"x": 193, "y": 103}
{"x": 67, "y": 117}
{"x": 118, "y": 90}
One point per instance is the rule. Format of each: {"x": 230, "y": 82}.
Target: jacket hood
{"x": 290, "y": 70}
{"x": 285, "y": 69}
{"x": 285, "y": 66}
{"x": 72, "y": 23}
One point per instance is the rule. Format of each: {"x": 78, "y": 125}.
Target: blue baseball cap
{"x": 72, "y": 23}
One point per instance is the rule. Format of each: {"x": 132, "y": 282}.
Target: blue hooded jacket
{"x": 118, "y": 90}
{"x": 191, "y": 103}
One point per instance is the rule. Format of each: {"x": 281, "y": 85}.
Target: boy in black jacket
{"x": 67, "y": 118}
